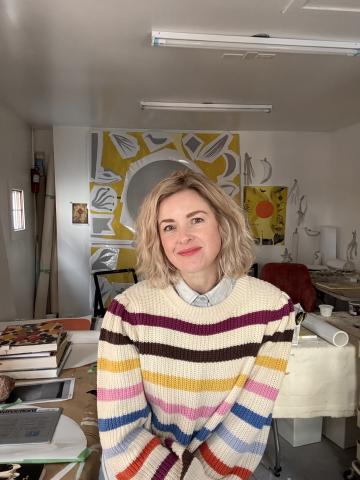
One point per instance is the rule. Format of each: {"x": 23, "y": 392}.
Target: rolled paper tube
{"x": 331, "y": 334}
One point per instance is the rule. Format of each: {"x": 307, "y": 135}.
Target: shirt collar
{"x": 214, "y": 296}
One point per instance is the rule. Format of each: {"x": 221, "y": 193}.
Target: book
{"x": 28, "y": 425}
{"x": 28, "y": 374}
{"x": 24, "y": 471}
{"x": 9, "y": 363}
{"x": 31, "y": 337}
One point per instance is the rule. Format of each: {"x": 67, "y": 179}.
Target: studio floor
{"x": 323, "y": 460}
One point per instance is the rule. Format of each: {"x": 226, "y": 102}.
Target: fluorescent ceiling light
{"x": 204, "y": 107}
{"x": 257, "y": 43}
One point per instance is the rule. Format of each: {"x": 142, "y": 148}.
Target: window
{"x": 17, "y": 209}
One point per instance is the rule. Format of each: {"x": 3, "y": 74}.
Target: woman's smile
{"x": 189, "y": 252}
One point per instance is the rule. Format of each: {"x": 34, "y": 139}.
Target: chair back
{"x": 294, "y": 279}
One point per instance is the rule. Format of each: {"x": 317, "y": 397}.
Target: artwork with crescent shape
{"x": 266, "y": 209}
{"x": 125, "y": 165}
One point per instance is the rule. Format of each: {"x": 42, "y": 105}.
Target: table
{"x": 345, "y": 291}
{"x": 82, "y": 409}
{"x": 320, "y": 381}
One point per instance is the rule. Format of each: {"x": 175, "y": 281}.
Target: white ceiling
{"x": 89, "y": 63}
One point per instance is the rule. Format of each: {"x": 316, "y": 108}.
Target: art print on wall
{"x": 266, "y": 209}
{"x": 80, "y": 213}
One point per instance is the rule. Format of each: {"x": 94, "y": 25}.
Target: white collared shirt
{"x": 214, "y": 296}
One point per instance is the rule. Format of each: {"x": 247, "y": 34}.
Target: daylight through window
{"x": 17, "y": 209}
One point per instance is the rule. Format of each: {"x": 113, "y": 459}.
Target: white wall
{"x": 72, "y": 168}
{"x": 325, "y": 165}
{"x": 17, "y": 249}
{"x": 345, "y": 186}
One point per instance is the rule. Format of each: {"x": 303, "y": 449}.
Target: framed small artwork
{"x": 80, "y": 213}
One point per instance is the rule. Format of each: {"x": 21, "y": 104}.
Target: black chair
{"x": 99, "y": 309}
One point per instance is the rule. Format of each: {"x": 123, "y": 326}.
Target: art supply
{"x": 331, "y": 334}
{"x": 326, "y": 310}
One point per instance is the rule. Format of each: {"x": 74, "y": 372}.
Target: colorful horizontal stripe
{"x": 238, "y": 445}
{"x": 184, "y": 410}
{"x": 261, "y": 389}
{"x": 180, "y": 436}
{"x": 122, "y": 446}
{"x": 112, "y": 394}
{"x": 261, "y": 317}
{"x": 193, "y": 385}
{"x": 118, "y": 366}
{"x": 165, "y": 466}
{"x": 250, "y": 417}
{"x": 135, "y": 466}
{"x": 220, "y": 467}
{"x": 106, "y": 424}
{"x": 271, "y": 362}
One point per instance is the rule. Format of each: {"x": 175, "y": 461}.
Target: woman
{"x": 191, "y": 359}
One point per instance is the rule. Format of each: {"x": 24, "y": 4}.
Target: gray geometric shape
{"x": 145, "y": 179}
{"x": 101, "y": 226}
{"x": 94, "y": 153}
{"x": 231, "y": 163}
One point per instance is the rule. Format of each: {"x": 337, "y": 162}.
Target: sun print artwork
{"x": 266, "y": 209}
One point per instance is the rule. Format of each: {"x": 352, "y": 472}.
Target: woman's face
{"x": 189, "y": 234}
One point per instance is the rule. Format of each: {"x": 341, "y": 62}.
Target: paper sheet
{"x": 81, "y": 354}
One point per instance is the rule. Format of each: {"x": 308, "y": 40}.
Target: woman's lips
{"x": 188, "y": 252}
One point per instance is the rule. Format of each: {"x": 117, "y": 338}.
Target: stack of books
{"x": 37, "y": 350}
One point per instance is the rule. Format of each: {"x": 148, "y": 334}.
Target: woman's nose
{"x": 184, "y": 235}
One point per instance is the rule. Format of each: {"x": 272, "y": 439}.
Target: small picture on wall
{"x": 80, "y": 213}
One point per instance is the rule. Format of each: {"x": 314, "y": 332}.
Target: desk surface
{"x": 345, "y": 291}
{"x": 82, "y": 409}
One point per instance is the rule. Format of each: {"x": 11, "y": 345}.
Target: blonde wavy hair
{"x": 236, "y": 254}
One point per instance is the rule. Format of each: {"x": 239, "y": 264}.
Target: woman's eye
{"x": 197, "y": 220}
{"x": 168, "y": 228}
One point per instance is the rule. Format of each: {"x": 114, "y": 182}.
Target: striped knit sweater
{"x": 187, "y": 392}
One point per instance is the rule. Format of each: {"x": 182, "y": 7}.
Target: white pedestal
{"x": 300, "y": 431}
{"x": 342, "y": 431}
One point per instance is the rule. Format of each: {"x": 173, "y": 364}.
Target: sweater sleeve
{"x": 129, "y": 448}
{"x": 235, "y": 448}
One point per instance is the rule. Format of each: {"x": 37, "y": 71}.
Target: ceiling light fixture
{"x": 259, "y": 43}
{"x": 204, "y": 107}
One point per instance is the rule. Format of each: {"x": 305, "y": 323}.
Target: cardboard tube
{"x": 331, "y": 334}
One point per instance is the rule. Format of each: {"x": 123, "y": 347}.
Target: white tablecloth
{"x": 321, "y": 381}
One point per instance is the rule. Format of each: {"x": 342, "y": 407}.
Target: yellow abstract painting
{"x": 124, "y": 166}
{"x": 266, "y": 209}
